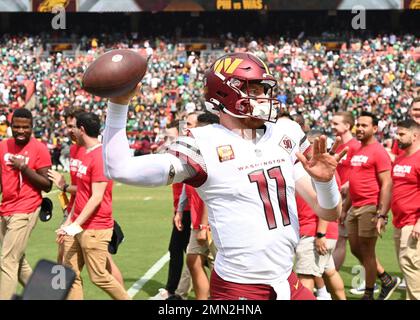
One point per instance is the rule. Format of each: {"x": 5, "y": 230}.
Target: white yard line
{"x": 138, "y": 285}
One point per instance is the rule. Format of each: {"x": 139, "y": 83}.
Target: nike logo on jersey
{"x": 296, "y": 286}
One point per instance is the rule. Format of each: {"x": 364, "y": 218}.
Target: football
{"x": 114, "y": 73}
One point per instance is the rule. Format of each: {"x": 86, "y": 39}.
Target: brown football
{"x": 114, "y": 73}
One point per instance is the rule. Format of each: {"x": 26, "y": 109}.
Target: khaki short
{"x": 361, "y": 221}
{"x": 409, "y": 259}
{"x": 309, "y": 262}
{"x": 205, "y": 250}
{"x": 342, "y": 228}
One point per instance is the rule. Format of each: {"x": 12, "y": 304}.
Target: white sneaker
{"x": 361, "y": 289}
{"x": 403, "y": 285}
{"x": 162, "y": 295}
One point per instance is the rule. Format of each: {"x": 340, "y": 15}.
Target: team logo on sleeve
{"x": 287, "y": 144}
{"x": 225, "y": 153}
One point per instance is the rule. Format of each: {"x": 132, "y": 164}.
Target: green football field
{"x": 145, "y": 216}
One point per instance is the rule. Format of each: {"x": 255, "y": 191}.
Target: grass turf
{"x": 145, "y": 215}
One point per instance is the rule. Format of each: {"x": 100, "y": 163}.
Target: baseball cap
{"x": 116, "y": 239}
{"x": 46, "y": 211}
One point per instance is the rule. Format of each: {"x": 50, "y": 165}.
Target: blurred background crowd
{"x": 373, "y": 72}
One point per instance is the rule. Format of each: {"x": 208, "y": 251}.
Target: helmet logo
{"x": 227, "y": 65}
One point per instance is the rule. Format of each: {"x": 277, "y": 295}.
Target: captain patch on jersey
{"x": 225, "y": 153}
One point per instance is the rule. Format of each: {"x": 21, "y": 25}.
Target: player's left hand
{"x": 415, "y": 234}
{"x": 322, "y": 165}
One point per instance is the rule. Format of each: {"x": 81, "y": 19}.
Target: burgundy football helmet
{"x": 227, "y": 82}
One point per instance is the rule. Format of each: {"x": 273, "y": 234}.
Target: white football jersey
{"x": 249, "y": 189}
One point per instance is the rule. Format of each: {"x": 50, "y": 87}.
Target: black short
{"x": 117, "y": 238}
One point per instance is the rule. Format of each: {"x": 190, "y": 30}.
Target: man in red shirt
{"x": 369, "y": 195}
{"x": 88, "y": 229}
{"x": 77, "y": 152}
{"x": 342, "y": 123}
{"x": 405, "y": 205}
{"x": 316, "y": 245}
{"x": 24, "y": 163}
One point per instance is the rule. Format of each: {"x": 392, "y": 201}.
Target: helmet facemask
{"x": 259, "y": 106}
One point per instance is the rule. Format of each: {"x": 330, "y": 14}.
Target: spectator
{"x": 88, "y": 230}
{"x": 369, "y": 196}
{"x": 24, "y": 164}
{"x": 405, "y": 205}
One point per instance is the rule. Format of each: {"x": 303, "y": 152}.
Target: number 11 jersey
{"x": 249, "y": 189}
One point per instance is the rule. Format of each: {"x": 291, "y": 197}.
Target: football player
{"x": 247, "y": 170}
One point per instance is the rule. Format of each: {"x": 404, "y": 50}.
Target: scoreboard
{"x": 241, "y": 5}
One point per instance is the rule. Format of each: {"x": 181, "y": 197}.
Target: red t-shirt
{"x": 176, "y": 192}
{"x": 76, "y": 155}
{"x": 366, "y": 164}
{"x": 91, "y": 170}
{"x": 19, "y": 195}
{"x": 343, "y": 168}
{"x": 308, "y": 220}
{"x": 197, "y": 208}
{"x": 405, "y": 203}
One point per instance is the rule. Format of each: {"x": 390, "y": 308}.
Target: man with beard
{"x": 24, "y": 163}
{"x": 405, "y": 205}
{"x": 369, "y": 196}
{"x": 414, "y": 113}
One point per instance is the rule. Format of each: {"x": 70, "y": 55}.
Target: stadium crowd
{"x": 373, "y": 74}
{"x": 372, "y": 79}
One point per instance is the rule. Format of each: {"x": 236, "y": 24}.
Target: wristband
{"x": 327, "y": 193}
{"x": 382, "y": 216}
{"x": 204, "y": 226}
{"x": 320, "y": 235}
{"x": 65, "y": 187}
